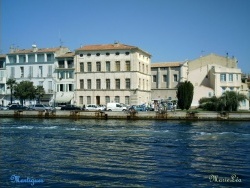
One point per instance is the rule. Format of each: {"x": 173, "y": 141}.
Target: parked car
{"x": 94, "y": 107}
{"x": 4, "y": 107}
{"x": 138, "y": 108}
{"x": 115, "y": 107}
{"x": 17, "y": 107}
{"x": 41, "y": 107}
{"x": 70, "y": 107}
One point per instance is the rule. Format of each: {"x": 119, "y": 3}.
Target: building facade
{"x": 65, "y": 79}
{"x": 212, "y": 75}
{"x": 35, "y": 65}
{"x": 165, "y": 79}
{"x": 3, "y": 80}
{"x": 112, "y": 73}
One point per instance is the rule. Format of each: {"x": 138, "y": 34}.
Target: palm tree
{"x": 39, "y": 92}
{"x": 11, "y": 83}
{"x": 232, "y": 100}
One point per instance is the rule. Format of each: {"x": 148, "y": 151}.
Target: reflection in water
{"x": 68, "y": 153}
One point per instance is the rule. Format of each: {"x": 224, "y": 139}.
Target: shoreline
{"x": 149, "y": 115}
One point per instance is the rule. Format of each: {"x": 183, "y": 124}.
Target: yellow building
{"x": 112, "y": 73}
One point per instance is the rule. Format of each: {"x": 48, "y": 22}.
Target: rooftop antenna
{"x": 60, "y": 39}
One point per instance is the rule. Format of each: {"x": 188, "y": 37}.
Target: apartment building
{"x": 212, "y": 75}
{"x": 36, "y": 65}
{"x": 2, "y": 79}
{"x": 65, "y": 79}
{"x": 165, "y": 79}
{"x": 112, "y": 73}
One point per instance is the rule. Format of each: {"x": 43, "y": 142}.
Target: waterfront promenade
{"x": 165, "y": 115}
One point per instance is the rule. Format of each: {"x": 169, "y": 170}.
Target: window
{"x": 147, "y": 69}
{"x": 139, "y": 67}
{"x": 107, "y": 99}
{"x": 127, "y": 83}
{"x": 61, "y": 64}
{"x": 117, "y": 65}
{"x": 97, "y": 54}
{"x": 98, "y": 66}
{"x": 230, "y": 77}
{"x": 127, "y": 65}
{"x": 89, "y": 83}
{"x": 31, "y": 71}
{"x": 50, "y": 86}
{"x": 98, "y": 83}
{"x": 49, "y": 70}
{"x": 108, "y": 66}
{"x": 139, "y": 85}
{"x": 22, "y": 58}
{"x": 88, "y": 54}
{"x": 1, "y": 64}
{"x": 164, "y": 78}
{"x": 71, "y": 74}
{"x": 142, "y": 67}
{"x": 61, "y": 87}
{"x": 223, "y": 77}
{"x": 81, "y": 99}
{"x": 175, "y": 77}
{"x": 89, "y": 67}
{"x": 154, "y": 78}
{"x": 40, "y": 57}
{"x": 143, "y": 84}
{"x": 107, "y": 54}
{"x": 107, "y": 83}
{"x": 81, "y": 67}
{"x": 40, "y": 83}
{"x": 49, "y": 57}
{"x": 117, "y": 53}
{"x": 81, "y": 55}
{"x": 81, "y": 84}
{"x": 117, "y": 99}
{"x": 40, "y": 73}
{"x": 12, "y": 72}
{"x": 88, "y": 99}
{"x": 117, "y": 83}
{"x": 127, "y": 53}
{"x": 21, "y": 72}
{"x": 71, "y": 87}
{"x": 223, "y": 89}
{"x": 127, "y": 100}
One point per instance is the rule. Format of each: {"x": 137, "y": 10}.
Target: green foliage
{"x": 39, "y": 92}
{"x": 229, "y": 101}
{"x": 185, "y": 94}
{"x": 11, "y": 83}
{"x": 25, "y": 90}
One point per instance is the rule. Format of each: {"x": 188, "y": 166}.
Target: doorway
{"x": 98, "y": 100}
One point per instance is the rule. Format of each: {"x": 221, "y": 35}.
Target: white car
{"x": 41, "y": 107}
{"x": 94, "y": 107}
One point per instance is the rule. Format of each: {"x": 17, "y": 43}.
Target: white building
{"x": 112, "y": 73}
{"x": 35, "y": 65}
{"x": 3, "y": 79}
{"x": 212, "y": 75}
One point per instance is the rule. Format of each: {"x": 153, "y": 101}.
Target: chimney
{"x": 34, "y": 48}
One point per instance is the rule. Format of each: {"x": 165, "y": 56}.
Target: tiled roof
{"x": 166, "y": 64}
{"x": 116, "y": 46}
{"x": 39, "y": 50}
{"x": 68, "y": 54}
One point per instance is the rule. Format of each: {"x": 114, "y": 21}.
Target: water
{"x": 120, "y": 153}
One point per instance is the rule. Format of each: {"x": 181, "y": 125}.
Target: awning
{"x": 64, "y": 97}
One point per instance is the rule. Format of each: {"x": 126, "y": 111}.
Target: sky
{"x": 170, "y": 30}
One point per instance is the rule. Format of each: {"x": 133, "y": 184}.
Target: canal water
{"x": 121, "y": 153}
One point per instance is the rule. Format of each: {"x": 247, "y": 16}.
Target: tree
{"x": 229, "y": 101}
{"x": 11, "y": 83}
{"x": 232, "y": 100}
{"x": 25, "y": 90}
{"x": 39, "y": 92}
{"x": 185, "y": 93}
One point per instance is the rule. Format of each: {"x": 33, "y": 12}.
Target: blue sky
{"x": 170, "y": 30}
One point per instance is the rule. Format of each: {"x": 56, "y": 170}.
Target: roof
{"x": 166, "y": 64}
{"x": 2, "y": 56}
{"x": 68, "y": 54}
{"x": 38, "y": 50}
{"x": 115, "y": 46}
